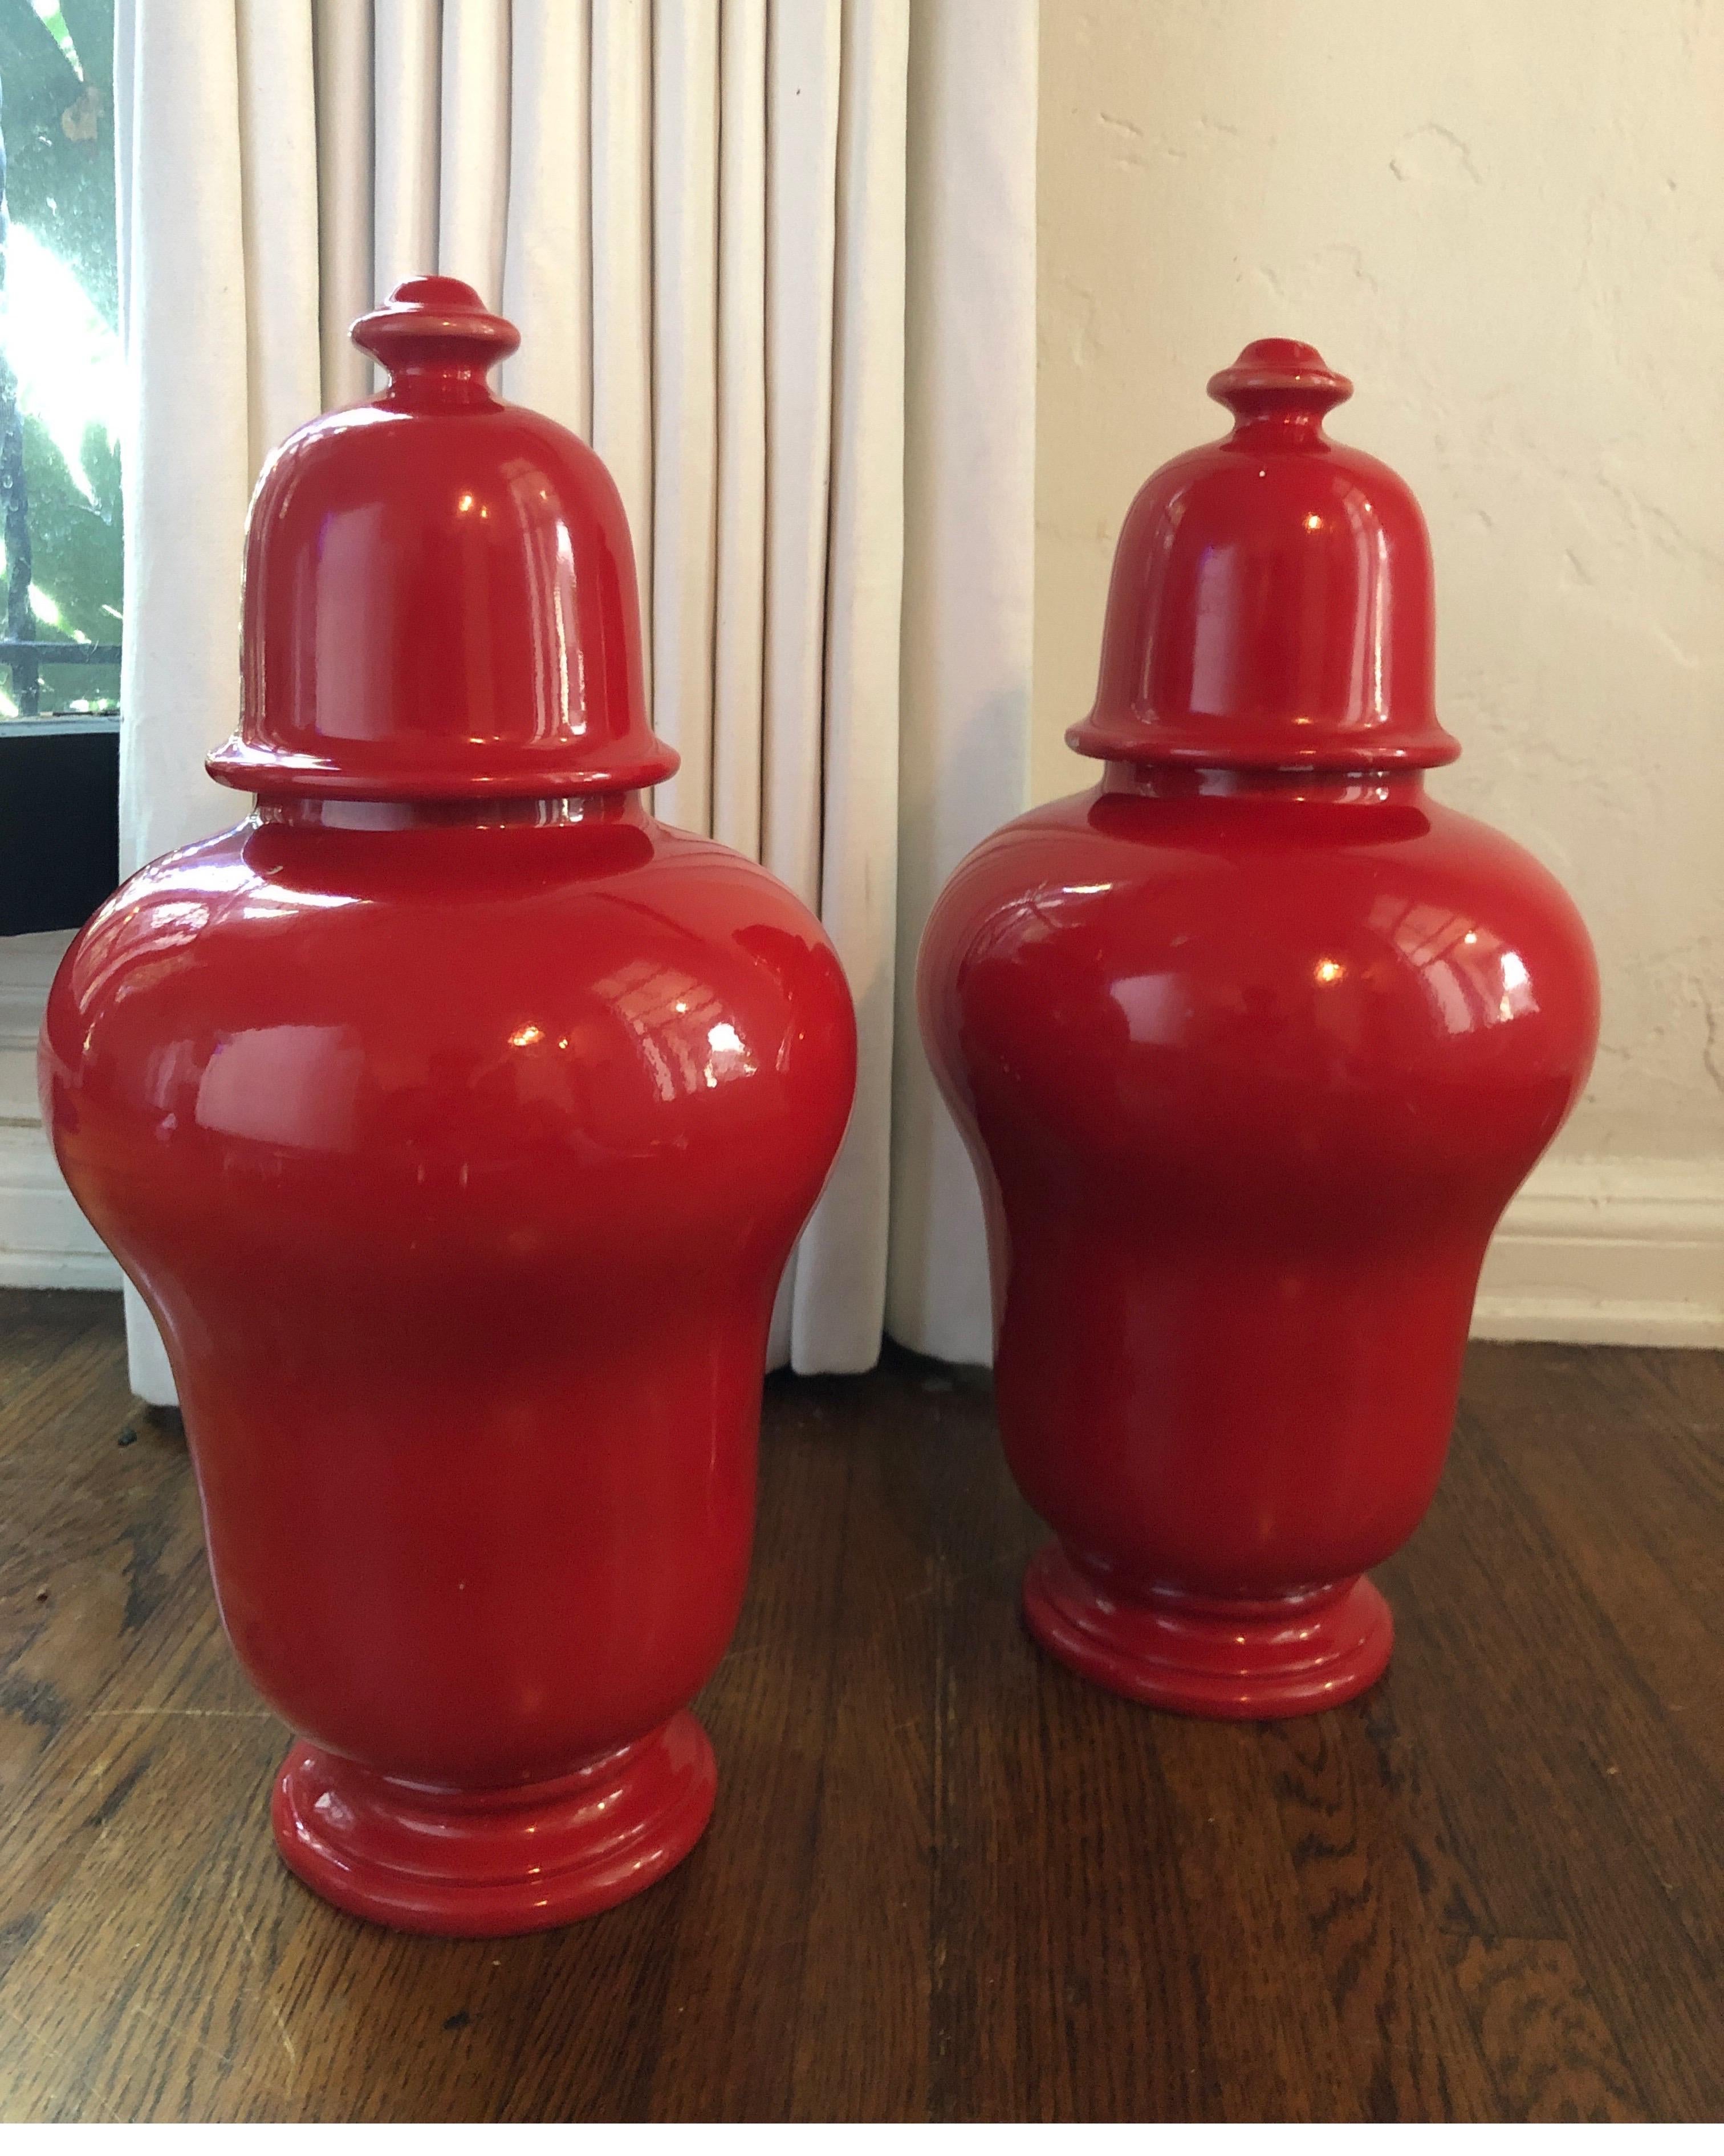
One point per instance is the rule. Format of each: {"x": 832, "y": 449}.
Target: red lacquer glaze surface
{"x": 456, "y": 1136}
{"x": 1251, "y": 1046}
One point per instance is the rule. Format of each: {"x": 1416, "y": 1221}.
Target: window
{"x": 61, "y": 386}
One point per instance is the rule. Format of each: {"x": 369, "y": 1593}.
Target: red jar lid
{"x": 440, "y": 597}
{"x": 1270, "y": 607}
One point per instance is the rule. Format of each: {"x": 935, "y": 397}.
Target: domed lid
{"x": 1270, "y": 606}
{"x": 440, "y": 599}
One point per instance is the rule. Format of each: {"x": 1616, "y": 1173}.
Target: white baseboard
{"x": 27, "y": 965}
{"x": 44, "y": 1240}
{"x": 1627, "y": 1253}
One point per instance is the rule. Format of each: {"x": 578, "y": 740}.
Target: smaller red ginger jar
{"x": 455, "y": 1118}
{"x": 1251, "y": 1044}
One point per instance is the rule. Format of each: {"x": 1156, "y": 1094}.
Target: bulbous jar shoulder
{"x": 427, "y": 1004}
{"x": 1216, "y": 959}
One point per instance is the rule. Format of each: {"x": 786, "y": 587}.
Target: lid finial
{"x": 1280, "y": 378}
{"x": 435, "y": 322}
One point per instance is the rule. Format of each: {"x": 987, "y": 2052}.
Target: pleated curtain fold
{"x": 775, "y": 259}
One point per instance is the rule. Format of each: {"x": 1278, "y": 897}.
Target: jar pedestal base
{"x": 483, "y": 1865}
{"x": 1244, "y": 1661}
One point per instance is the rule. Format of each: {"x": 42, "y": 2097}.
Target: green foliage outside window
{"x": 60, "y": 375}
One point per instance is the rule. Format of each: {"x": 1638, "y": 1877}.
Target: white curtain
{"x": 775, "y": 258}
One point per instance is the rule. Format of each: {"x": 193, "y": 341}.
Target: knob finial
{"x": 1280, "y": 378}
{"x": 435, "y": 321}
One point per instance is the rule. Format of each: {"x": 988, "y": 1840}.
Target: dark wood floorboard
{"x": 945, "y": 1880}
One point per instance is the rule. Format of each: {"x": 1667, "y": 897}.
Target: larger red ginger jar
{"x": 455, "y": 1119}
{"x": 1251, "y": 1044}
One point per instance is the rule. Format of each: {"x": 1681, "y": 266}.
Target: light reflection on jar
{"x": 1472, "y": 977}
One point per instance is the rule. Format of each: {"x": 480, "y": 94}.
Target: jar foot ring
{"x": 1245, "y": 1661}
{"x": 486, "y": 1865}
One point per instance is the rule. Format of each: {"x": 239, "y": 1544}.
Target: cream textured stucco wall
{"x": 1505, "y": 220}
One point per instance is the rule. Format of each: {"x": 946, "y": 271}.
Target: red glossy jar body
{"x": 1250, "y": 1062}
{"x": 457, "y": 1148}
{"x": 458, "y": 1164}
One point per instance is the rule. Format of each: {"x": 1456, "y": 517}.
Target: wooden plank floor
{"x": 944, "y": 1879}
